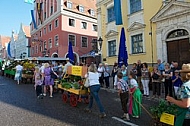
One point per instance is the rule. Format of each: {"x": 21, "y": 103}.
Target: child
{"x": 38, "y": 82}
{"x": 122, "y": 87}
{"x": 135, "y": 97}
{"x": 177, "y": 82}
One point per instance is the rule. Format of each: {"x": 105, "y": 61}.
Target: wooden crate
{"x": 74, "y": 91}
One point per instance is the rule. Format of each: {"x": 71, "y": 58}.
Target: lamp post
{"x": 100, "y": 40}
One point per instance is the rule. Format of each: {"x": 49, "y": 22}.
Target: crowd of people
{"x": 132, "y": 84}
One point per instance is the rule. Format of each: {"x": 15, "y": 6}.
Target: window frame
{"x": 50, "y": 29}
{"x": 51, "y": 10}
{"x": 82, "y": 42}
{"x": 50, "y": 45}
{"x": 110, "y": 13}
{"x": 134, "y": 3}
{"x": 74, "y": 39}
{"x": 81, "y": 8}
{"x": 69, "y": 3}
{"x": 93, "y": 27}
{"x": 84, "y": 25}
{"x": 110, "y": 47}
{"x": 137, "y": 42}
{"x": 70, "y": 19}
{"x": 56, "y": 26}
{"x": 36, "y": 48}
{"x": 56, "y": 41}
{"x": 45, "y": 30}
{"x": 45, "y": 44}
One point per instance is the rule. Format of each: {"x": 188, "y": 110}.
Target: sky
{"x": 12, "y": 14}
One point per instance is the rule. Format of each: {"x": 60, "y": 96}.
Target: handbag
{"x": 87, "y": 84}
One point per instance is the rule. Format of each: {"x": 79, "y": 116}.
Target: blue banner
{"x": 118, "y": 14}
{"x": 123, "y": 55}
{"x": 33, "y": 19}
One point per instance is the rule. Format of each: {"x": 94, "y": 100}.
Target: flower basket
{"x": 162, "y": 108}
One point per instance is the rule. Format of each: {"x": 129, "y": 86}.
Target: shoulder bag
{"x": 87, "y": 83}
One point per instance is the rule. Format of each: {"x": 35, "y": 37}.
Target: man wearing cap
{"x": 66, "y": 66}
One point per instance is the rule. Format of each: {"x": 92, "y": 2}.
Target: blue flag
{"x": 118, "y": 14}
{"x": 70, "y": 53}
{"x": 123, "y": 55}
{"x": 29, "y": 1}
{"x": 33, "y": 19}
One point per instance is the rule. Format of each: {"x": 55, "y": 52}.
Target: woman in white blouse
{"x": 94, "y": 87}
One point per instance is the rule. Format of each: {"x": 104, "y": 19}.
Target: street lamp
{"x": 100, "y": 40}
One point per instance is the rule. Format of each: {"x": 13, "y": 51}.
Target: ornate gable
{"x": 111, "y": 33}
{"x": 173, "y": 9}
{"x": 136, "y": 26}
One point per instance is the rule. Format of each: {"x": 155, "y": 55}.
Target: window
{"x": 44, "y": 30}
{"x": 56, "y": 40}
{"x": 56, "y": 23}
{"x": 69, "y": 5}
{"x": 81, "y": 9}
{"x": 71, "y": 22}
{"x": 112, "y": 48}
{"x": 44, "y": 15}
{"x": 83, "y": 25}
{"x": 92, "y": 13}
{"x": 36, "y": 49}
{"x": 135, "y": 5}
{"x": 50, "y": 27}
{"x": 84, "y": 42}
{"x": 177, "y": 33}
{"x": 94, "y": 27}
{"x": 72, "y": 39}
{"x": 32, "y": 51}
{"x": 40, "y": 33}
{"x": 50, "y": 43}
{"x": 137, "y": 44}
{"x": 51, "y": 10}
{"x": 111, "y": 15}
{"x": 40, "y": 48}
{"x": 45, "y": 45}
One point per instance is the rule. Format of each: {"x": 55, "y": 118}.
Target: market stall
{"x": 28, "y": 71}
{"x": 72, "y": 85}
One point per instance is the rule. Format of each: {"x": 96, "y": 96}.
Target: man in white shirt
{"x": 66, "y": 66}
{"x": 18, "y": 73}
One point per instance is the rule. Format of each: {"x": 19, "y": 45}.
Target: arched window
{"x": 177, "y": 33}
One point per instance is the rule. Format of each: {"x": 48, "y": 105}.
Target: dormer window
{"x": 69, "y": 5}
{"x": 81, "y": 8}
{"x": 92, "y": 13}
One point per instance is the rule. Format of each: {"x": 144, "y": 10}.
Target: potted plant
{"x": 158, "y": 110}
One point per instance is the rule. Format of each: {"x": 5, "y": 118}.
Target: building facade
{"x": 173, "y": 32}
{"x": 4, "y": 40}
{"x": 11, "y": 47}
{"x": 149, "y": 27}
{"x": 61, "y": 21}
{"x": 22, "y": 50}
{"x": 136, "y": 15}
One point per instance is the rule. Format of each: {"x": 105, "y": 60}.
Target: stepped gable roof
{"x": 4, "y": 40}
{"x": 26, "y": 30}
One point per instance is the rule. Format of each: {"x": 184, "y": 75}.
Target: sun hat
{"x": 185, "y": 68}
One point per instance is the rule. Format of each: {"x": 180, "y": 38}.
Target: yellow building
{"x": 140, "y": 29}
